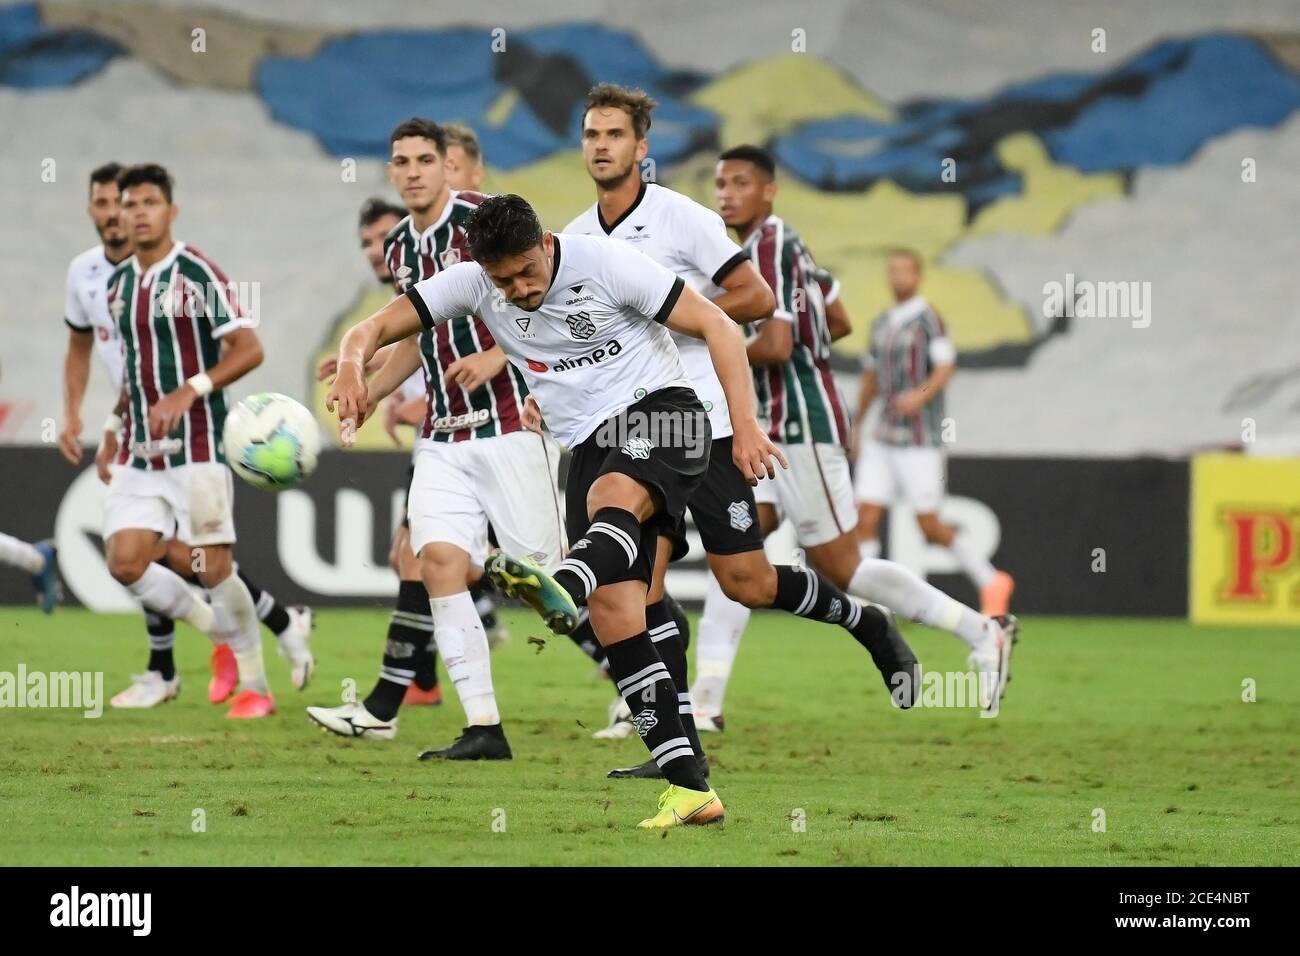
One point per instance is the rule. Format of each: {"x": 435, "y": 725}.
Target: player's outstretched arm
{"x": 348, "y": 394}
{"x": 241, "y": 352}
{"x": 752, "y": 451}
{"x": 400, "y": 362}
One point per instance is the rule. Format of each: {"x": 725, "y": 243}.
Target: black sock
{"x": 584, "y": 635}
{"x": 809, "y": 594}
{"x": 410, "y": 629}
{"x": 269, "y": 611}
{"x": 607, "y": 550}
{"x": 162, "y": 635}
{"x": 651, "y": 695}
{"x": 666, "y": 635}
{"x": 481, "y": 593}
{"x": 679, "y": 615}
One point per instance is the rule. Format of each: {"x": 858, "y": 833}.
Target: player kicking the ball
{"x": 185, "y": 340}
{"x": 585, "y": 320}
{"x": 475, "y": 465}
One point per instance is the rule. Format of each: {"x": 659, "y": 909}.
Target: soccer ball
{"x": 271, "y": 441}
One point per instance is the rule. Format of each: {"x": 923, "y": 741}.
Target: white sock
{"x": 720, "y": 628}
{"x": 976, "y": 566}
{"x": 21, "y": 555}
{"x": 869, "y": 549}
{"x": 908, "y": 594}
{"x": 236, "y": 624}
{"x": 463, "y": 645}
{"x": 164, "y": 591}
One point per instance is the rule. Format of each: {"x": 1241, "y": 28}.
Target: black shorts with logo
{"x": 723, "y": 508}
{"x": 663, "y": 441}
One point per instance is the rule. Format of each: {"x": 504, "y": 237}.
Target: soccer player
{"x": 691, "y": 241}
{"x": 800, "y": 404}
{"x": 908, "y": 364}
{"x": 475, "y": 465}
{"x": 184, "y": 341}
{"x": 87, "y": 317}
{"x": 585, "y": 320}
{"x": 40, "y": 560}
{"x": 464, "y": 157}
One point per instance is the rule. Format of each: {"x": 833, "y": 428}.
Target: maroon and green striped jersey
{"x": 453, "y": 414}
{"x": 171, "y": 317}
{"x": 907, "y": 342}
{"x": 797, "y": 399}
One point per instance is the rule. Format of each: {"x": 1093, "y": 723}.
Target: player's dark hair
{"x": 107, "y": 173}
{"x": 423, "y": 128}
{"x": 753, "y": 154}
{"x": 375, "y": 209}
{"x": 146, "y": 173}
{"x": 458, "y": 134}
{"x": 502, "y": 226}
{"x": 907, "y": 253}
{"x": 638, "y": 104}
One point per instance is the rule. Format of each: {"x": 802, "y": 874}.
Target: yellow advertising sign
{"x": 1245, "y": 552}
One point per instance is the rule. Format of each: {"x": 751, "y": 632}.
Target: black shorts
{"x": 723, "y": 508}
{"x": 663, "y": 441}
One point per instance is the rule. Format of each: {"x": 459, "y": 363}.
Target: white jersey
{"x": 86, "y": 309}
{"x": 685, "y": 237}
{"x": 595, "y": 345}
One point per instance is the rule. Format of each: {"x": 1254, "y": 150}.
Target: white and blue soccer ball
{"x": 272, "y": 441}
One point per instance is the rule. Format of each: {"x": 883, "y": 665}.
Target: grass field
{"x": 1143, "y": 720}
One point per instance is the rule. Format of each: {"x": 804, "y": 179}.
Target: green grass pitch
{"x": 1143, "y": 721}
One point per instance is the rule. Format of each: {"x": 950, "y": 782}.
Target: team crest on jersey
{"x": 645, "y": 721}
{"x": 450, "y": 257}
{"x": 581, "y": 326}
{"x": 741, "y": 519}
{"x": 638, "y": 448}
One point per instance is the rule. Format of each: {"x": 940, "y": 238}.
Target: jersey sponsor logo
{"x": 741, "y": 519}
{"x": 638, "y": 234}
{"x": 115, "y": 308}
{"x": 402, "y": 277}
{"x": 523, "y": 321}
{"x": 536, "y": 366}
{"x": 594, "y": 357}
{"x": 581, "y": 326}
{"x": 638, "y": 448}
{"x": 453, "y": 423}
{"x": 578, "y": 296}
{"x": 645, "y": 721}
{"x": 157, "y": 447}
{"x": 450, "y": 257}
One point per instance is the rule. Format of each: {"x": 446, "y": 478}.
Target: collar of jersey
{"x": 752, "y": 240}
{"x": 438, "y": 223}
{"x": 908, "y": 309}
{"x": 159, "y": 266}
{"x": 600, "y": 216}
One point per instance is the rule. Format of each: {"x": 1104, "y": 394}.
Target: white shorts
{"x": 886, "y": 472}
{"x": 509, "y": 481}
{"x": 193, "y": 503}
{"x": 815, "y": 493}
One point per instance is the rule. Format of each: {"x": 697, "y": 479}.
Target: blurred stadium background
{"x": 1130, "y": 465}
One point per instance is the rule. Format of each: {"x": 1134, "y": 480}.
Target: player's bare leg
{"x": 868, "y": 529}
{"x": 995, "y": 586}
